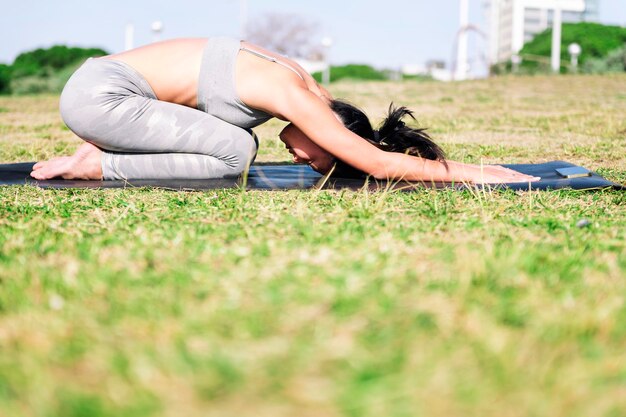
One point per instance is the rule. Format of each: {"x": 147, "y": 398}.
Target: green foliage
{"x": 32, "y": 85}
{"x": 52, "y": 83}
{"x": 43, "y": 70}
{"x": 417, "y": 77}
{"x": 5, "y": 79}
{"x": 597, "y": 41}
{"x": 352, "y": 71}
{"x": 43, "y": 61}
{"x": 615, "y": 61}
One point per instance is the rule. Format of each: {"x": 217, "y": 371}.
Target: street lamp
{"x": 574, "y": 50}
{"x": 157, "y": 28}
{"x": 516, "y": 60}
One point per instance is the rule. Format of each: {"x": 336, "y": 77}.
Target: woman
{"x": 184, "y": 109}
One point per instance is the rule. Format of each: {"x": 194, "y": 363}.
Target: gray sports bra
{"x": 271, "y": 59}
{"x": 217, "y": 94}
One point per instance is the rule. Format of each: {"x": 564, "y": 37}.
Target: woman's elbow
{"x": 396, "y": 166}
{"x": 379, "y": 174}
{"x": 379, "y": 168}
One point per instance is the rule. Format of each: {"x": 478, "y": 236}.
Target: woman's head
{"x": 393, "y": 135}
{"x": 305, "y": 151}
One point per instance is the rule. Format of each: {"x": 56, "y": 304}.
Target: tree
{"x": 43, "y": 70}
{"x": 42, "y": 61}
{"x": 288, "y": 34}
{"x": 5, "y": 79}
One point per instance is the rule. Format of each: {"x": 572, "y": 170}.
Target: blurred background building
{"x": 515, "y": 22}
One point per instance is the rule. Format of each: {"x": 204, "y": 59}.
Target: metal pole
{"x": 556, "y": 39}
{"x": 327, "y": 42}
{"x": 243, "y": 18}
{"x": 461, "y": 54}
{"x": 494, "y": 32}
{"x": 129, "y": 36}
{"x": 326, "y": 74}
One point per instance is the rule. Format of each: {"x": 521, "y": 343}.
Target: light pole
{"x": 327, "y": 42}
{"x": 556, "y": 38}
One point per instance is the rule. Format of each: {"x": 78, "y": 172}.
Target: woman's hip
{"x": 99, "y": 93}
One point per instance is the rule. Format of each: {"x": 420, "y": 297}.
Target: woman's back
{"x": 170, "y": 67}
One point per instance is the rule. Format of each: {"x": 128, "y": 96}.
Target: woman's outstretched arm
{"x": 311, "y": 115}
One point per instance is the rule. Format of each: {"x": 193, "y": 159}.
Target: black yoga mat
{"x": 287, "y": 177}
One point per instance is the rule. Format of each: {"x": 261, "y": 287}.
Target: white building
{"x": 311, "y": 66}
{"x": 515, "y": 22}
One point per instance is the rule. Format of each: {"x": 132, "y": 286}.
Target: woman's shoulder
{"x": 177, "y": 42}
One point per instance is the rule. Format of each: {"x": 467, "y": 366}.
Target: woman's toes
{"x": 53, "y": 168}
{"x": 85, "y": 164}
{"x": 40, "y": 174}
{"x": 42, "y": 164}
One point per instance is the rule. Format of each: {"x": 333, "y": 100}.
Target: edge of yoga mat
{"x": 288, "y": 177}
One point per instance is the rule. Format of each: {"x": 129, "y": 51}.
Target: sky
{"x": 383, "y": 34}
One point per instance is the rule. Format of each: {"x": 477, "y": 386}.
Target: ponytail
{"x": 395, "y": 136}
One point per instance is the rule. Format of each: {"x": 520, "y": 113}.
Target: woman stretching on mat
{"x": 183, "y": 109}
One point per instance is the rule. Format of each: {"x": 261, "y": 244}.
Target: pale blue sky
{"x": 382, "y": 33}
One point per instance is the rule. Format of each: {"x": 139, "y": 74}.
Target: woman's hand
{"x": 489, "y": 174}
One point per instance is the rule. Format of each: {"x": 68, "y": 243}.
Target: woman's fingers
{"x": 516, "y": 174}
{"x": 524, "y": 179}
{"x": 496, "y": 174}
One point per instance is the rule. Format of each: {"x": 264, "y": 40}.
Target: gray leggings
{"x": 109, "y": 104}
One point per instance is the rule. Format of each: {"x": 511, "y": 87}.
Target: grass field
{"x": 144, "y": 302}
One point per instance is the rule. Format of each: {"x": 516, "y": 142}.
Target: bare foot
{"x": 85, "y": 164}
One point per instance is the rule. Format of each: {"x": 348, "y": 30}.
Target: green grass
{"x": 144, "y": 302}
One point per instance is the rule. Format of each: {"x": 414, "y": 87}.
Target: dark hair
{"x": 393, "y": 135}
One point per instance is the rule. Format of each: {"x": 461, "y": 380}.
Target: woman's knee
{"x": 80, "y": 107}
{"x": 69, "y": 106}
{"x": 243, "y": 151}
